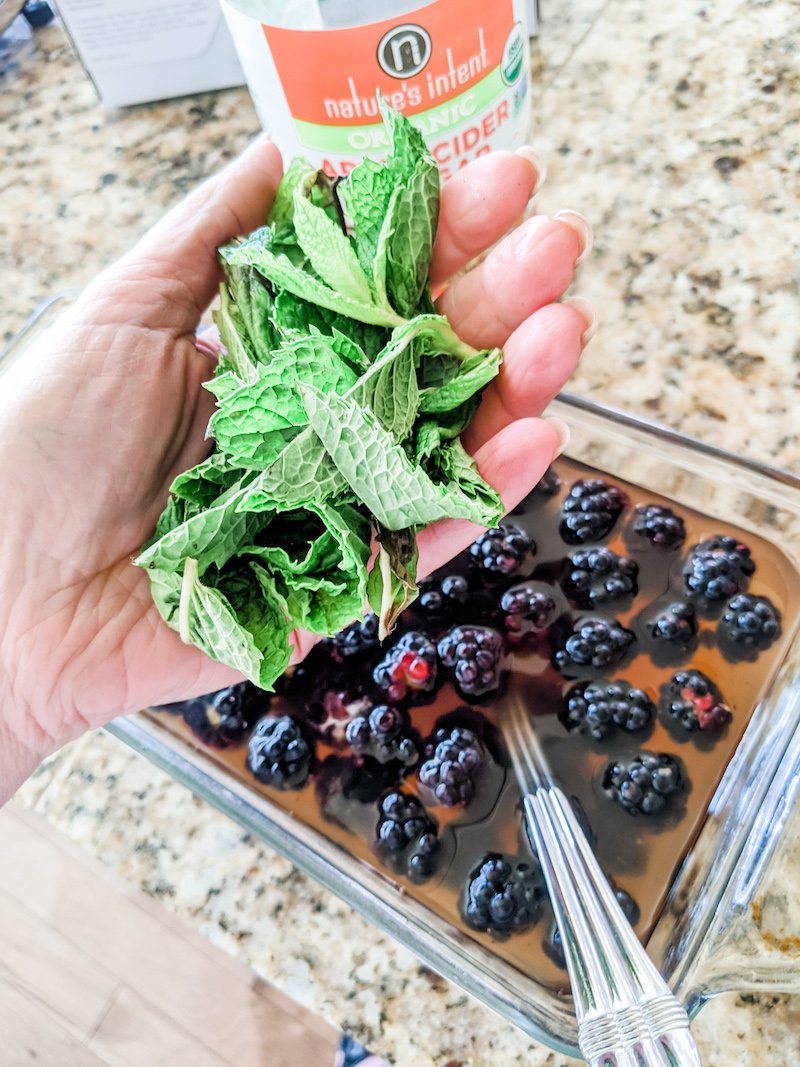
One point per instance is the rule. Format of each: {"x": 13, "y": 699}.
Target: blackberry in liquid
{"x": 641, "y": 854}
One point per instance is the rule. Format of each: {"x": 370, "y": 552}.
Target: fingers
{"x": 182, "y": 246}
{"x": 479, "y": 204}
{"x": 513, "y": 461}
{"x": 530, "y": 268}
{"x": 538, "y": 358}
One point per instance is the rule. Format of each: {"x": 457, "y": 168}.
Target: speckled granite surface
{"x": 675, "y": 129}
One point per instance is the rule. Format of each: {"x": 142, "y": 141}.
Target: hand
{"x": 99, "y": 418}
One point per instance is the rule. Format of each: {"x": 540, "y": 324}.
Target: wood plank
{"x": 133, "y": 1033}
{"x": 51, "y": 968}
{"x": 30, "y": 1034}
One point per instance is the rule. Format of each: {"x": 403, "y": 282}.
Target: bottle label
{"x": 457, "y": 68}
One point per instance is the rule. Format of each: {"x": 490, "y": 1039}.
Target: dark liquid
{"x": 641, "y": 854}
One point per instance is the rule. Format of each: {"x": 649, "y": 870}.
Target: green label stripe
{"x": 437, "y": 121}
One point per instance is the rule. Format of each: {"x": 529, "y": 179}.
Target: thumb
{"x": 183, "y": 244}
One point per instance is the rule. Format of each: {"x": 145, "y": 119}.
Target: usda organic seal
{"x": 513, "y": 55}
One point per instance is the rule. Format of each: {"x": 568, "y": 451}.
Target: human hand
{"x": 103, "y": 413}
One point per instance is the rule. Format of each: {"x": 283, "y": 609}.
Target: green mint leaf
{"x": 240, "y": 355}
{"x": 291, "y": 313}
{"x": 281, "y": 214}
{"x": 392, "y": 582}
{"x": 458, "y": 471}
{"x": 203, "y": 484}
{"x": 473, "y": 375}
{"x": 302, "y": 474}
{"x": 366, "y": 193}
{"x": 329, "y": 251}
{"x": 414, "y": 219}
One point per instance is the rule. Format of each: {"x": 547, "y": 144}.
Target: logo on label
{"x": 404, "y": 51}
{"x": 513, "y": 55}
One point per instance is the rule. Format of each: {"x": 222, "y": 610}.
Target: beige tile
{"x": 133, "y": 1033}
{"x": 30, "y": 1035}
{"x": 51, "y": 968}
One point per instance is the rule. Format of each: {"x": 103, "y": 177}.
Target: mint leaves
{"x": 340, "y": 398}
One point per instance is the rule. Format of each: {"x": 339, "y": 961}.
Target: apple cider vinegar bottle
{"x": 458, "y": 69}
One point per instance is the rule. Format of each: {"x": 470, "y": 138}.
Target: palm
{"x": 100, "y": 419}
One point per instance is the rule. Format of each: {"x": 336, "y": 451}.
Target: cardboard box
{"x": 141, "y": 50}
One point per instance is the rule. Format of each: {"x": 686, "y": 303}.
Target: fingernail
{"x": 583, "y": 230}
{"x": 562, "y": 430}
{"x": 589, "y": 311}
{"x": 538, "y": 164}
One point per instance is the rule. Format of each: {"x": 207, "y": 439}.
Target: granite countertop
{"x": 674, "y": 129}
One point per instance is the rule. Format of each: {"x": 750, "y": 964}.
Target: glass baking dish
{"x": 730, "y": 917}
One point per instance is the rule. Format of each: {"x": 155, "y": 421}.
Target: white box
{"x": 140, "y": 50}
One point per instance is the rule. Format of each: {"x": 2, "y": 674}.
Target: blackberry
{"x": 440, "y": 596}
{"x": 718, "y": 568}
{"x": 602, "y": 707}
{"x": 598, "y": 575}
{"x": 678, "y": 622}
{"x": 630, "y": 909}
{"x": 334, "y": 713}
{"x": 750, "y": 620}
{"x": 453, "y": 763}
{"x": 222, "y": 719}
{"x": 528, "y": 609}
{"x": 475, "y": 654}
{"x": 409, "y": 664}
{"x": 554, "y": 947}
{"x": 549, "y": 484}
{"x": 278, "y": 754}
{"x": 502, "y": 550}
{"x": 660, "y": 525}
{"x": 384, "y": 735}
{"x": 407, "y": 838}
{"x": 504, "y": 897}
{"x": 599, "y": 643}
{"x": 641, "y": 785}
{"x": 590, "y": 510}
{"x": 359, "y": 636}
{"x": 693, "y": 699}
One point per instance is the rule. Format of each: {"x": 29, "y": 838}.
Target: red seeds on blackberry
{"x": 643, "y": 784}
{"x": 278, "y": 754}
{"x": 598, "y": 643}
{"x": 503, "y": 896}
{"x": 694, "y": 700}
{"x": 453, "y": 763}
{"x": 590, "y": 511}
{"x": 678, "y": 622}
{"x": 597, "y": 576}
{"x": 659, "y": 525}
{"x": 360, "y": 636}
{"x": 384, "y": 735}
{"x": 475, "y": 655}
{"x": 409, "y": 664}
{"x": 602, "y": 708}
{"x": 502, "y": 551}
{"x": 750, "y": 620}
{"x": 528, "y": 609}
{"x": 718, "y": 568}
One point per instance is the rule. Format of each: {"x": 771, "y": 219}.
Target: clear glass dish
{"x": 730, "y": 919}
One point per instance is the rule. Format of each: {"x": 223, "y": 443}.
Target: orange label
{"x": 417, "y": 61}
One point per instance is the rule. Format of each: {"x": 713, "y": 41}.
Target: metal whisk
{"x": 627, "y": 1016}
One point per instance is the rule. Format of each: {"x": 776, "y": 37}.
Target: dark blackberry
{"x": 384, "y": 734}
{"x": 504, "y": 897}
{"x": 678, "y": 622}
{"x": 602, "y": 707}
{"x": 660, "y": 525}
{"x": 554, "y": 947}
{"x": 222, "y": 719}
{"x": 502, "y": 550}
{"x": 643, "y": 784}
{"x": 693, "y": 699}
{"x": 440, "y": 596}
{"x": 528, "y": 609}
{"x": 453, "y": 763}
{"x": 598, "y": 575}
{"x": 359, "y": 636}
{"x": 278, "y": 754}
{"x": 333, "y": 714}
{"x": 750, "y": 620}
{"x": 590, "y": 510}
{"x": 409, "y": 664}
{"x": 718, "y": 568}
{"x": 599, "y": 643}
{"x": 630, "y": 909}
{"x": 407, "y": 837}
{"x": 475, "y": 655}
{"x": 549, "y": 484}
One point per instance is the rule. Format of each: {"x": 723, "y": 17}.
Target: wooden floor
{"x": 93, "y": 973}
